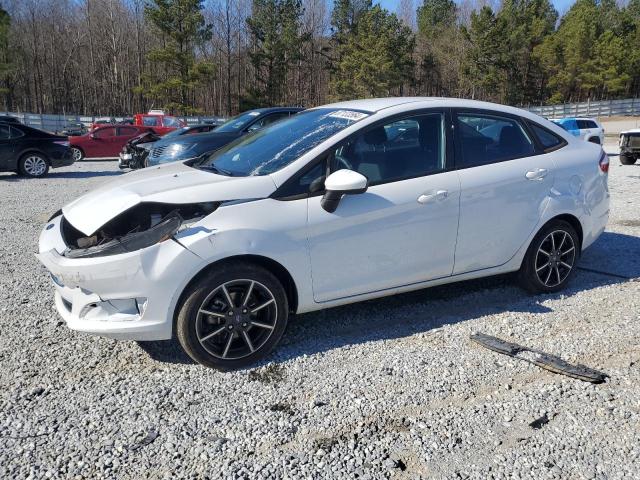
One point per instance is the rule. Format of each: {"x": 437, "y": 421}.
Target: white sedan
{"x": 337, "y": 204}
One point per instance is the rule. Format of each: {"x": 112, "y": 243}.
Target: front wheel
{"x": 551, "y": 258}
{"x": 627, "y": 159}
{"x": 77, "y": 154}
{"x": 233, "y": 317}
{"x": 33, "y": 165}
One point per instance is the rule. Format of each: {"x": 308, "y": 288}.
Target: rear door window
{"x": 482, "y": 139}
{"x": 126, "y": 131}
{"x": 107, "y": 132}
{"x": 5, "y": 132}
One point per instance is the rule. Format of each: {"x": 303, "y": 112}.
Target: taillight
{"x": 604, "y": 162}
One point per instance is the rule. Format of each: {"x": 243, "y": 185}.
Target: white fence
{"x": 601, "y": 108}
{"x": 55, "y": 123}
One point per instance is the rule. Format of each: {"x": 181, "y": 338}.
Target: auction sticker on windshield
{"x": 348, "y": 115}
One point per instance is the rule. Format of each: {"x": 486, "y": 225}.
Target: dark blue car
{"x": 185, "y": 147}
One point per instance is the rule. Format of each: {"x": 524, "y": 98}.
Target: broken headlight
{"x": 131, "y": 242}
{"x": 139, "y": 227}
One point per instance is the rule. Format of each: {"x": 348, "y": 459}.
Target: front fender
{"x": 267, "y": 228}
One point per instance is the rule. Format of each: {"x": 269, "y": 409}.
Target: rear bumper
{"x": 60, "y": 157}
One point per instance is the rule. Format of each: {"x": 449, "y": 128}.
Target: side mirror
{"x": 342, "y": 182}
{"x": 92, "y": 135}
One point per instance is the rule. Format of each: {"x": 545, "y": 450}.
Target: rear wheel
{"x": 33, "y": 165}
{"x": 77, "y": 154}
{"x": 551, "y": 258}
{"x": 626, "y": 159}
{"x": 233, "y": 317}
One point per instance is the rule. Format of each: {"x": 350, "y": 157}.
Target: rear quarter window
{"x": 150, "y": 121}
{"x": 583, "y": 124}
{"x": 549, "y": 140}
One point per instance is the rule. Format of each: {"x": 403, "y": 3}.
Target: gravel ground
{"x": 390, "y": 388}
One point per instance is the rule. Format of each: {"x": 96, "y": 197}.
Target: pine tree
{"x": 374, "y": 58}
{"x": 486, "y": 60}
{"x": 182, "y": 27}
{"x": 275, "y": 28}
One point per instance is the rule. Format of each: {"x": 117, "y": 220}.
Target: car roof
{"x": 376, "y": 104}
{"x": 572, "y": 118}
{"x": 275, "y": 109}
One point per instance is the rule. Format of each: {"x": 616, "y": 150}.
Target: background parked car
{"x": 629, "y": 146}
{"x": 31, "y": 152}
{"x": 589, "y": 129}
{"x": 201, "y": 128}
{"x": 73, "y": 129}
{"x": 190, "y": 146}
{"x": 104, "y": 142}
{"x": 135, "y": 151}
{"x": 101, "y": 122}
{"x": 158, "y": 122}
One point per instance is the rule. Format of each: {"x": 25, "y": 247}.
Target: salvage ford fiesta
{"x": 335, "y": 205}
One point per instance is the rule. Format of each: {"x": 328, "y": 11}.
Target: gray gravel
{"x": 390, "y": 388}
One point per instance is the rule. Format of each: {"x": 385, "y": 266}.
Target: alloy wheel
{"x": 555, "y": 258}
{"x": 77, "y": 154}
{"x": 35, "y": 165}
{"x": 236, "y": 319}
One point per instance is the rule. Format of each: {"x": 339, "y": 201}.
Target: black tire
{"x": 230, "y": 338}
{"x": 77, "y": 154}
{"x": 626, "y": 159}
{"x": 33, "y": 165}
{"x": 547, "y": 272}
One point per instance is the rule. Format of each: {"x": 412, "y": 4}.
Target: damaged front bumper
{"x": 126, "y": 296}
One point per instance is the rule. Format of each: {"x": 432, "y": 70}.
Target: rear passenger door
{"x": 102, "y": 144}
{"x": 505, "y": 182}
{"x": 123, "y": 135}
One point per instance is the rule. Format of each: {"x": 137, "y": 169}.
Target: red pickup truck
{"x": 158, "y": 122}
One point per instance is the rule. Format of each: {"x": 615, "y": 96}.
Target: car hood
{"x": 174, "y": 183}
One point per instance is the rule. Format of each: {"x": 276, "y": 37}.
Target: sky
{"x": 392, "y": 5}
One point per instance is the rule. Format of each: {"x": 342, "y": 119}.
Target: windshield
{"x": 176, "y": 132}
{"x": 277, "y": 145}
{"x": 238, "y": 122}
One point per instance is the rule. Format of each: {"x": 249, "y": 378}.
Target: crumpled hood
{"x": 171, "y": 183}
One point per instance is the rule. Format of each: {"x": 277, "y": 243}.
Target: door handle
{"x": 428, "y": 197}
{"x": 537, "y": 174}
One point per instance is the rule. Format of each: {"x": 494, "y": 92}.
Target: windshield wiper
{"x": 214, "y": 169}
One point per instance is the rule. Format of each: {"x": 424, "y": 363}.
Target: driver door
{"x": 403, "y": 229}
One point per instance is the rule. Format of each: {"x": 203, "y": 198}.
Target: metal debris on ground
{"x": 147, "y": 440}
{"x": 541, "y": 359}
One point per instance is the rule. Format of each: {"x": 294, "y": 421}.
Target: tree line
{"x": 116, "y": 57}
